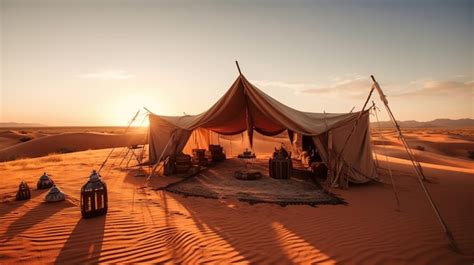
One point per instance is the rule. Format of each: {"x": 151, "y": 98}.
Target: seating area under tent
{"x": 245, "y": 111}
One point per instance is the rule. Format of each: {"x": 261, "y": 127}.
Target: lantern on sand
{"x": 23, "y": 192}
{"x": 44, "y": 182}
{"x": 94, "y": 196}
{"x": 55, "y": 194}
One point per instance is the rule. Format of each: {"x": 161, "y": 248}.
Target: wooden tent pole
{"x": 419, "y": 174}
{"x": 415, "y": 163}
{"x": 238, "y": 67}
{"x": 124, "y": 132}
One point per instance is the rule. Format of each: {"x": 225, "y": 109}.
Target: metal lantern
{"x": 23, "y": 192}
{"x": 94, "y": 196}
{"x": 44, "y": 182}
{"x": 54, "y": 195}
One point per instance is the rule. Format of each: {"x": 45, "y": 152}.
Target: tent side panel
{"x": 359, "y": 166}
{"x": 164, "y": 135}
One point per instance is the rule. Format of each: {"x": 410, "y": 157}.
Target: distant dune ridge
{"x": 20, "y": 125}
{"x": 442, "y": 123}
{"x": 64, "y": 143}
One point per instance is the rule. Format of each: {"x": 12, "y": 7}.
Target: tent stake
{"x": 418, "y": 171}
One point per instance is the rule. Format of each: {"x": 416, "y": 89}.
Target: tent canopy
{"x": 246, "y": 108}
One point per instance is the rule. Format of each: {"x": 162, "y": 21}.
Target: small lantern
{"x": 23, "y": 192}
{"x": 44, "y": 182}
{"x": 54, "y": 195}
{"x": 94, "y": 196}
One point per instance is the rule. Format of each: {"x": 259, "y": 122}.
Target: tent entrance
{"x": 234, "y": 145}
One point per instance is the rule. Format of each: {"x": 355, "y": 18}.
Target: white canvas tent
{"x": 343, "y": 140}
{"x": 245, "y": 108}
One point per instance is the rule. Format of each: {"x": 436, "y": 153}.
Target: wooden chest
{"x": 183, "y": 163}
{"x": 279, "y": 168}
{"x": 199, "y": 157}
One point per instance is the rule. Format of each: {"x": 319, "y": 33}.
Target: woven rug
{"x": 219, "y": 182}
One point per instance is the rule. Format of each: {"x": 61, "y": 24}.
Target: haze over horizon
{"x": 96, "y": 62}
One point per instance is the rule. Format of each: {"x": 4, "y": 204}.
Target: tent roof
{"x": 245, "y": 107}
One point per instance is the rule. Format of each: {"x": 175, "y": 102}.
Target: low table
{"x": 247, "y": 175}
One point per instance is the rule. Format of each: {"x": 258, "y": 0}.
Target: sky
{"x": 87, "y": 63}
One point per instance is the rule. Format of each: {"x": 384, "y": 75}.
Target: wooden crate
{"x": 201, "y": 161}
{"x": 183, "y": 163}
{"x": 199, "y": 152}
{"x": 216, "y": 149}
{"x": 279, "y": 168}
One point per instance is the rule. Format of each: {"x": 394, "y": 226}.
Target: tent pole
{"x": 238, "y": 67}
{"x": 415, "y": 163}
{"x": 125, "y": 131}
{"x": 419, "y": 174}
{"x": 376, "y": 158}
{"x": 147, "y": 110}
{"x": 339, "y": 158}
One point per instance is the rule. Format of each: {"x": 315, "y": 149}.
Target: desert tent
{"x": 245, "y": 108}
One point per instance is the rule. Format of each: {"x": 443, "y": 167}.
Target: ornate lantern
{"x": 94, "y": 196}
{"x": 54, "y": 195}
{"x": 44, "y": 182}
{"x": 23, "y": 192}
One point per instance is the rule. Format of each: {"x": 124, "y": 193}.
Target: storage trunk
{"x": 279, "y": 168}
{"x": 199, "y": 157}
{"x": 199, "y": 152}
{"x": 201, "y": 161}
{"x": 183, "y": 163}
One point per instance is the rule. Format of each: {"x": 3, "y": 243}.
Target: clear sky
{"x": 96, "y": 62}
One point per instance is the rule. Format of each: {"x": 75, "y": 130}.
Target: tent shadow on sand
{"x": 84, "y": 244}
{"x": 246, "y": 241}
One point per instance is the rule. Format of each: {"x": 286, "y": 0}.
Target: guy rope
{"x": 416, "y": 165}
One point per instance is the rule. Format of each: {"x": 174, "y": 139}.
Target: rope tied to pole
{"x": 418, "y": 171}
{"x": 386, "y": 156}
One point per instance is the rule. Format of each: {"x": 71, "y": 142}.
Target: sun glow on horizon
{"x": 120, "y": 112}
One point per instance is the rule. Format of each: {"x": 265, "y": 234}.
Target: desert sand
{"x": 36, "y": 142}
{"x": 149, "y": 225}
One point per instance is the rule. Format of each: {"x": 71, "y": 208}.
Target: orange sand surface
{"x": 149, "y": 225}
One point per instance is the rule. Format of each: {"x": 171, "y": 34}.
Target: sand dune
{"x": 148, "y": 225}
{"x": 69, "y": 142}
{"x": 442, "y": 143}
{"x": 424, "y": 156}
